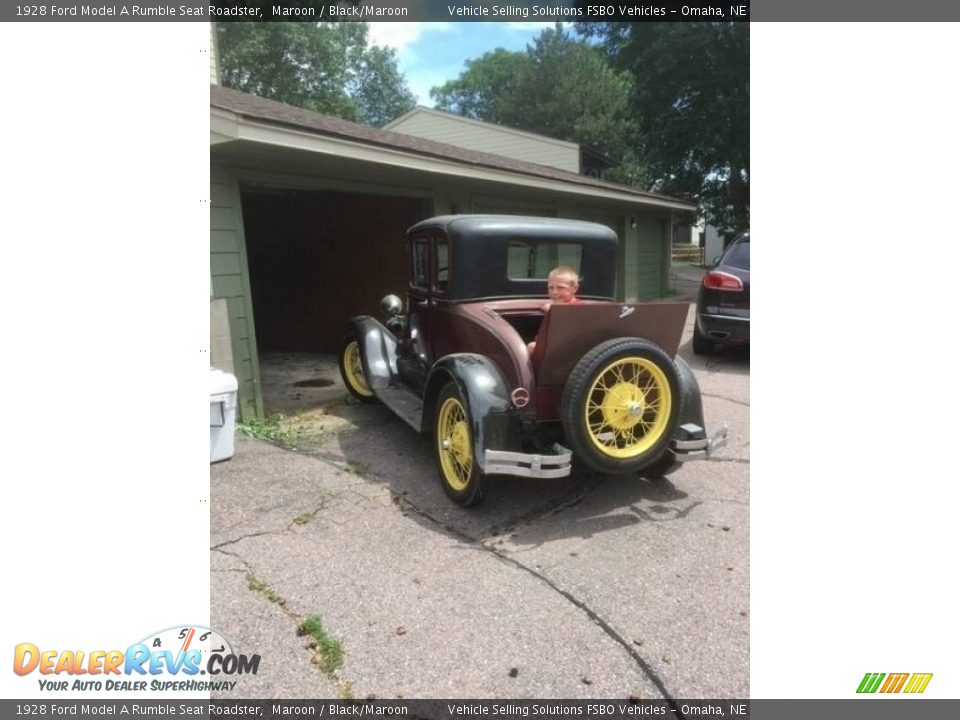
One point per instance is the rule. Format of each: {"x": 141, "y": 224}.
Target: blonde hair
{"x": 567, "y": 272}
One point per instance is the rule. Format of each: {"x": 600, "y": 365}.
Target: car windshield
{"x": 738, "y": 255}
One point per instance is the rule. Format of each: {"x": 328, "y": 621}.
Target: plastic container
{"x": 223, "y": 414}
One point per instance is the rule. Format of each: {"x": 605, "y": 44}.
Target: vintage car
{"x": 602, "y": 384}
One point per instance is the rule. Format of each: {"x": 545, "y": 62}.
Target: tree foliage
{"x": 324, "y": 67}
{"x": 690, "y": 98}
{"x": 559, "y": 86}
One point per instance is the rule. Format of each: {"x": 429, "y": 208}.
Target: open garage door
{"x": 316, "y": 259}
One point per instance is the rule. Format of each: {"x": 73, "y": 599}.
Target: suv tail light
{"x": 716, "y": 280}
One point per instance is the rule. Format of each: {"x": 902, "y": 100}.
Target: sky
{"x": 429, "y": 54}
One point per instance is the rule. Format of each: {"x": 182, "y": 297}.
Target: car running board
{"x": 405, "y": 403}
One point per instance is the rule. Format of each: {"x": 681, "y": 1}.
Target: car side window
{"x": 441, "y": 261}
{"x": 421, "y": 264}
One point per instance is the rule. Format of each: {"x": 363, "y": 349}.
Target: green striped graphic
{"x": 870, "y": 682}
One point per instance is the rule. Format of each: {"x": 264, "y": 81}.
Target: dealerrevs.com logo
{"x": 894, "y": 682}
{"x": 171, "y": 659}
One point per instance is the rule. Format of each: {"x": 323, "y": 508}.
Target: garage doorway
{"x": 316, "y": 259}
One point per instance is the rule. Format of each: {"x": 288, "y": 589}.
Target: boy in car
{"x": 562, "y": 285}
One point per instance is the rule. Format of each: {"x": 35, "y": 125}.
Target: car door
{"x": 414, "y": 357}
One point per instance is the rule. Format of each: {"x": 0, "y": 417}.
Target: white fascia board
{"x": 292, "y": 138}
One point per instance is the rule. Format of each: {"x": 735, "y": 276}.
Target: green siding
{"x": 229, "y": 279}
{"x": 225, "y": 264}
{"x": 646, "y": 258}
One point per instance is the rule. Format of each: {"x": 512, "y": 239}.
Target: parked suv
{"x": 604, "y": 384}
{"x": 723, "y": 304}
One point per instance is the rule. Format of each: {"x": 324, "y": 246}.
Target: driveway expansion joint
{"x": 645, "y": 667}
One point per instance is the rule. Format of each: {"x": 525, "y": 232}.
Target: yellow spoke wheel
{"x": 620, "y": 405}
{"x": 351, "y": 370}
{"x": 627, "y": 407}
{"x": 453, "y": 440}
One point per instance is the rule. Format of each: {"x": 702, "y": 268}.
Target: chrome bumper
{"x": 694, "y": 444}
{"x": 504, "y": 462}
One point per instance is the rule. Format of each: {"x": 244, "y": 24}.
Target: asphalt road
{"x": 590, "y": 587}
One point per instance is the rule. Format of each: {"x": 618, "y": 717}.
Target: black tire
{"x": 460, "y": 475}
{"x": 702, "y": 345}
{"x": 351, "y": 371}
{"x": 621, "y": 404}
{"x": 664, "y": 465}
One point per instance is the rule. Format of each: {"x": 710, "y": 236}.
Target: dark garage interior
{"x": 316, "y": 259}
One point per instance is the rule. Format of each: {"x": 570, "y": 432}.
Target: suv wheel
{"x": 453, "y": 445}
{"x": 351, "y": 370}
{"x": 620, "y": 405}
{"x": 702, "y": 345}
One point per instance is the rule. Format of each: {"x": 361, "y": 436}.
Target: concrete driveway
{"x": 590, "y": 587}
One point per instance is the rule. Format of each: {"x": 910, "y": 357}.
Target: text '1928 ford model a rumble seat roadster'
{"x": 602, "y": 383}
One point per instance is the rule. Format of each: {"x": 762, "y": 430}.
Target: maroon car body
{"x": 604, "y": 378}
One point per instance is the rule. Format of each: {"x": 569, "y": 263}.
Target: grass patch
{"x": 327, "y": 650}
{"x": 271, "y": 429}
{"x": 355, "y": 468}
{"x": 261, "y": 587}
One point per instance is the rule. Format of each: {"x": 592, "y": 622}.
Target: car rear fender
{"x": 378, "y": 351}
{"x": 691, "y": 405}
{"x": 483, "y": 386}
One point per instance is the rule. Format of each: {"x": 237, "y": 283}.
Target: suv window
{"x": 534, "y": 259}
{"x": 738, "y": 255}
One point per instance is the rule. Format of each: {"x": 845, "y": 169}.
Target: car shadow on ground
{"x": 387, "y": 452}
{"x": 369, "y": 441}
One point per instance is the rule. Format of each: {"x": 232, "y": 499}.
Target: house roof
{"x": 276, "y": 114}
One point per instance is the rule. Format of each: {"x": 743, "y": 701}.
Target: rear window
{"x": 738, "y": 255}
{"x": 533, "y": 259}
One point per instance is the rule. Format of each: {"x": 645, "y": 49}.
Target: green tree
{"x": 325, "y": 67}
{"x": 558, "y": 86}
{"x": 691, "y": 103}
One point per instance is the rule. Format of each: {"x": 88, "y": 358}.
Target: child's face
{"x": 561, "y": 288}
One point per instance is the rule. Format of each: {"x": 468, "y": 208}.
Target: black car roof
{"x": 479, "y": 243}
{"x": 477, "y": 226}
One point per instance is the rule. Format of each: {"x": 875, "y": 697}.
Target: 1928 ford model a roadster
{"x": 603, "y": 379}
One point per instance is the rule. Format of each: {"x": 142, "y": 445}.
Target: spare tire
{"x": 621, "y": 404}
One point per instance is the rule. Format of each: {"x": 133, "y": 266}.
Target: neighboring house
{"x": 309, "y": 213}
{"x": 470, "y": 134}
{"x": 445, "y": 127}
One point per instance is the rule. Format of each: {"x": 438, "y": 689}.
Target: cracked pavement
{"x": 588, "y": 587}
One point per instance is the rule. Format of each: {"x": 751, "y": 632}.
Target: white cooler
{"x": 223, "y": 414}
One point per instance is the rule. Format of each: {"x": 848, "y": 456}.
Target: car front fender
{"x": 378, "y": 351}
{"x": 484, "y": 388}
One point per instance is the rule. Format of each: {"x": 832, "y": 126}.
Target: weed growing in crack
{"x": 304, "y": 518}
{"x": 327, "y": 650}
{"x": 261, "y": 587}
